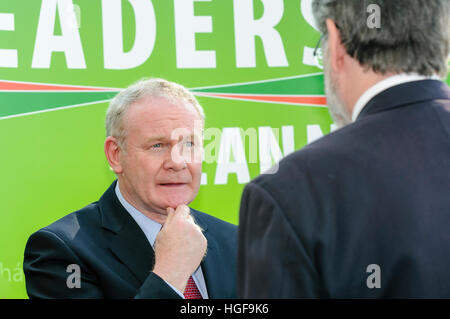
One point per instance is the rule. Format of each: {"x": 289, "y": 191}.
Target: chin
{"x": 176, "y": 201}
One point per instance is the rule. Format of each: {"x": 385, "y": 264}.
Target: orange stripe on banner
{"x": 21, "y": 86}
{"x": 294, "y": 99}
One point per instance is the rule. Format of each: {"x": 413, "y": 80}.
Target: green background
{"x": 53, "y": 163}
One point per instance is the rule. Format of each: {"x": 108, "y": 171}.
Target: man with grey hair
{"x": 364, "y": 211}
{"x": 141, "y": 240}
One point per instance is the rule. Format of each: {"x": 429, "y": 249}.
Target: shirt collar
{"x": 148, "y": 226}
{"x": 384, "y": 85}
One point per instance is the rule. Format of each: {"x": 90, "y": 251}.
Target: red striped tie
{"x": 191, "y": 291}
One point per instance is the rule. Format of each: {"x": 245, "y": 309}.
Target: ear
{"x": 113, "y": 152}
{"x": 336, "y": 51}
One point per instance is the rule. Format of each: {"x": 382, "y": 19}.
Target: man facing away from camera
{"x": 140, "y": 239}
{"x": 363, "y": 212}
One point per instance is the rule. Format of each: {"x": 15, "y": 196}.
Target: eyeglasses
{"x": 317, "y": 54}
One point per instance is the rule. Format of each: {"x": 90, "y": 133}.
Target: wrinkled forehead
{"x": 160, "y": 106}
{"x": 162, "y": 116}
{"x": 171, "y": 101}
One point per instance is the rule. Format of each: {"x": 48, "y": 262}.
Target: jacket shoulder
{"x": 69, "y": 227}
{"x": 212, "y": 221}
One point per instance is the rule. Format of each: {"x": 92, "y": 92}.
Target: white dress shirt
{"x": 384, "y": 85}
{"x": 151, "y": 230}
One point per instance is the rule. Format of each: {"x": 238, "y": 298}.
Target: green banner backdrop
{"x": 249, "y": 62}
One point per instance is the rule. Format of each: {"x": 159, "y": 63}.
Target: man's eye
{"x": 157, "y": 145}
{"x": 189, "y": 144}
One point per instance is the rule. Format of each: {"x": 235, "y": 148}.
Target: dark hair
{"x": 413, "y": 35}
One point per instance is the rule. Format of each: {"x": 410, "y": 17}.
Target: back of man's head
{"x": 409, "y": 36}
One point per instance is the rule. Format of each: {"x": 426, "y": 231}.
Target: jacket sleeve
{"x": 155, "y": 287}
{"x": 47, "y": 274}
{"x": 272, "y": 259}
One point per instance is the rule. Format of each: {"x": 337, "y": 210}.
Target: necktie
{"x": 191, "y": 291}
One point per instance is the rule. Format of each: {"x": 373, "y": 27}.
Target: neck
{"x": 358, "y": 83}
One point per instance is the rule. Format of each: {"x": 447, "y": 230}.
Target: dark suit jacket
{"x": 374, "y": 192}
{"x": 115, "y": 258}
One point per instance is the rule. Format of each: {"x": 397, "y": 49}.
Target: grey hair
{"x": 414, "y": 36}
{"x": 154, "y": 87}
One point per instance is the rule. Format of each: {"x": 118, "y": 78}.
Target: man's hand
{"x": 179, "y": 247}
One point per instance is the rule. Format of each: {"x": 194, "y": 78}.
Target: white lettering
{"x": 8, "y": 57}
{"x": 68, "y": 42}
{"x": 145, "y": 35}
{"x": 186, "y": 26}
{"x": 314, "y": 132}
{"x": 269, "y": 149}
{"x": 246, "y": 28}
{"x": 306, "y": 9}
{"x": 231, "y": 145}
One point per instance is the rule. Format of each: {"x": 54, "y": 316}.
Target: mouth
{"x": 172, "y": 185}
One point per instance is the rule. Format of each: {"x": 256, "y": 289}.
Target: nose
{"x": 175, "y": 160}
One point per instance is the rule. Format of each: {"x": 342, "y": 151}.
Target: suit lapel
{"x": 210, "y": 265}
{"x": 128, "y": 242}
{"x": 131, "y": 246}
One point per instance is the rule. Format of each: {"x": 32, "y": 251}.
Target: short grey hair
{"x": 154, "y": 87}
{"x": 414, "y": 36}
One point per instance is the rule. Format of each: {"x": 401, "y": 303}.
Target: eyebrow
{"x": 157, "y": 138}
{"x": 163, "y": 138}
